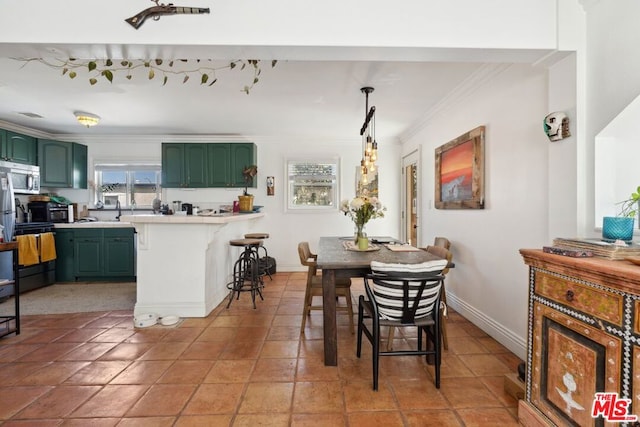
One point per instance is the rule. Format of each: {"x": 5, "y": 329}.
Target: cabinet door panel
{"x": 118, "y": 260}
{"x": 195, "y": 165}
{"x": 563, "y": 350}
{"x": 56, "y": 163}
{"x": 79, "y": 161}
{"x": 218, "y": 164}
{"x": 172, "y": 165}
{"x": 88, "y": 252}
{"x": 65, "y": 258}
{"x": 242, "y": 155}
{"x": 21, "y": 148}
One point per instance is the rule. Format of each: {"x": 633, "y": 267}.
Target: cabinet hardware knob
{"x": 569, "y": 295}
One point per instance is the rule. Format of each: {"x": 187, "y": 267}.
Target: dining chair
{"x": 440, "y": 252}
{"x": 442, "y": 241}
{"x": 314, "y": 287}
{"x": 398, "y": 296}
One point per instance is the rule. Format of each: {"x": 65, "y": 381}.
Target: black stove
{"x": 33, "y": 228}
{"x": 43, "y": 273}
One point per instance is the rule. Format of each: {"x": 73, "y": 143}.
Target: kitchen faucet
{"x": 119, "y": 210}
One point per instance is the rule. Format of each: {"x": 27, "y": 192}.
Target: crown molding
{"x": 462, "y": 92}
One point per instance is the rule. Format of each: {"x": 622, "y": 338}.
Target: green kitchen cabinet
{"x": 19, "y": 148}
{"x": 227, "y": 161}
{"x": 87, "y": 245}
{"x": 100, "y": 254}
{"x": 62, "y": 164}
{"x": 119, "y": 256}
{"x": 65, "y": 269}
{"x": 184, "y": 165}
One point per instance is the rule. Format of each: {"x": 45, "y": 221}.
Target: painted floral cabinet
{"x": 583, "y": 338}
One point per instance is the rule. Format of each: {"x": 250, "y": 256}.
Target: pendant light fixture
{"x": 368, "y": 134}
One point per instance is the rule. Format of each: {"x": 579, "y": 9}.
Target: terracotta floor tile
{"x": 274, "y": 370}
{"x": 267, "y": 398}
{"x": 19, "y": 398}
{"x": 98, "y": 372}
{"x": 280, "y": 349}
{"x": 418, "y": 394}
{"x": 186, "y": 372}
{"x": 314, "y": 369}
{"x": 147, "y": 422}
{"x": 142, "y": 372}
{"x": 204, "y": 420}
{"x": 215, "y": 399}
{"x": 434, "y": 419}
{"x": 241, "y": 350}
{"x": 486, "y": 417}
{"x": 111, "y": 401}
{"x": 360, "y": 396}
{"x": 243, "y": 367}
{"x": 228, "y": 371}
{"x": 203, "y": 350}
{"x": 59, "y": 402}
{"x": 53, "y": 373}
{"x": 162, "y": 399}
{"x": 375, "y": 418}
{"x": 318, "y": 420}
{"x": 271, "y": 420}
{"x": 88, "y": 351}
{"x": 484, "y": 364}
{"x": 126, "y": 351}
{"x": 468, "y": 393}
{"x": 319, "y": 396}
{"x": 113, "y": 335}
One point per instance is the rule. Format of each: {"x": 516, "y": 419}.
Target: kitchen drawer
{"x": 118, "y": 232}
{"x": 594, "y": 301}
{"x": 87, "y": 233}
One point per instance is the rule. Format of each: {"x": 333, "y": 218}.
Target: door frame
{"x": 412, "y": 158}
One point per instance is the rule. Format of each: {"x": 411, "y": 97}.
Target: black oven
{"x": 48, "y": 212}
{"x": 43, "y": 273}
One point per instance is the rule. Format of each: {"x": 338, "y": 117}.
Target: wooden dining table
{"x": 336, "y": 261}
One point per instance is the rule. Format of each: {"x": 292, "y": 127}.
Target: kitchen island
{"x": 185, "y": 262}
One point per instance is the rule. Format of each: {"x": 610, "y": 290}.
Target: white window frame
{"x": 291, "y": 206}
{"x": 100, "y": 166}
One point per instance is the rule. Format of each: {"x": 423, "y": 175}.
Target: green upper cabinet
{"x": 62, "y": 164}
{"x": 195, "y": 165}
{"x": 226, "y": 162}
{"x": 79, "y": 161}
{"x": 18, "y": 148}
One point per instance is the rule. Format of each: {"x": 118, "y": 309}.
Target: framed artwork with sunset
{"x": 459, "y": 172}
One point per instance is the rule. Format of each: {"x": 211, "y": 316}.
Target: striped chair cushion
{"x": 389, "y": 293}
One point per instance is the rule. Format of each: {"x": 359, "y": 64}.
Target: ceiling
{"x": 305, "y": 98}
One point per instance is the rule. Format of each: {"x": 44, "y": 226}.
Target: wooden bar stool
{"x": 265, "y": 263}
{"x": 246, "y": 272}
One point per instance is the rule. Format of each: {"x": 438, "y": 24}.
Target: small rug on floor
{"x": 74, "y": 298}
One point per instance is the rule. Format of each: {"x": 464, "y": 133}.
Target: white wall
{"x": 489, "y": 283}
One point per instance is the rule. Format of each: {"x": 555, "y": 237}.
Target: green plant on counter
{"x": 629, "y": 207}
{"x": 248, "y": 173}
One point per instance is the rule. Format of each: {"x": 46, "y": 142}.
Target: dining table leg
{"x": 329, "y": 317}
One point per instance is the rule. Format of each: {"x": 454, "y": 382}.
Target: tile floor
{"x": 241, "y": 367}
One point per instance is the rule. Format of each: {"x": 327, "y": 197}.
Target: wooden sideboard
{"x": 583, "y": 337}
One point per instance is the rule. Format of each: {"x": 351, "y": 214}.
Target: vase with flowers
{"x": 361, "y": 209}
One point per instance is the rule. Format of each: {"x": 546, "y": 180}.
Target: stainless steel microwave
{"x": 25, "y": 178}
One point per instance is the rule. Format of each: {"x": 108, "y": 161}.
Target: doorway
{"x": 410, "y": 198}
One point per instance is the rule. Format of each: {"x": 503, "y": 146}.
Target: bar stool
{"x": 265, "y": 264}
{"x": 246, "y": 271}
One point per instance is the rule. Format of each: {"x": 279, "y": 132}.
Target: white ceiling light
{"x": 86, "y": 119}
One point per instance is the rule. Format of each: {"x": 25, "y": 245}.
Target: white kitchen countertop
{"x": 190, "y": 219}
{"x": 95, "y": 224}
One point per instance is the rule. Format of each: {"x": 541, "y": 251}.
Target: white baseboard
{"x": 516, "y": 344}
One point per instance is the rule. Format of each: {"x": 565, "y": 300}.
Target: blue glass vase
{"x": 617, "y": 228}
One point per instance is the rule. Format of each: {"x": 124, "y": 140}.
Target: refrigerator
{"x": 7, "y": 220}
